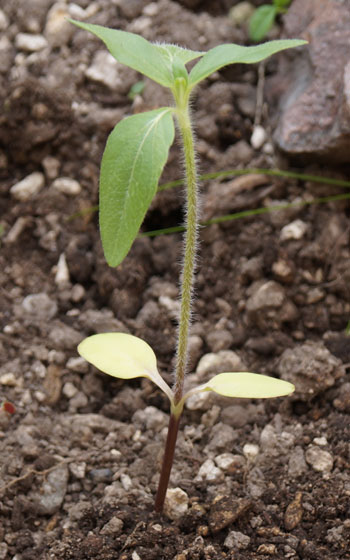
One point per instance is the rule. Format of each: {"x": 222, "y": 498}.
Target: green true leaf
{"x": 170, "y": 52}
{"x": 223, "y": 55}
{"x": 124, "y": 356}
{"x": 245, "y": 385}
{"x": 261, "y": 21}
{"x": 136, "y": 152}
{"x": 282, "y": 5}
{"x": 133, "y": 51}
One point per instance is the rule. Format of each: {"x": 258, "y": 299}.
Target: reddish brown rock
{"x": 315, "y": 87}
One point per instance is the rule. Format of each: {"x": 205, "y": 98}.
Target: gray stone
{"x": 222, "y": 437}
{"x": 30, "y": 42}
{"x": 66, "y": 185}
{"x": 28, "y": 187}
{"x": 69, "y": 390}
{"x": 62, "y": 278}
{"x": 311, "y": 368}
{"x": 241, "y": 12}
{"x": 78, "y": 469}
{"x": 237, "y": 540}
{"x": 268, "y": 307}
{"x": 104, "y": 69}
{"x": 209, "y": 472}
{"x": 220, "y": 339}
{"x": 235, "y": 415}
{"x": 51, "y": 166}
{"x": 4, "y": 22}
{"x": 78, "y": 511}
{"x": 297, "y": 464}
{"x": 113, "y": 527}
{"x": 295, "y": 230}
{"x": 230, "y": 463}
{"x": 100, "y": 475}
{"x": 3, "y": 551}
{"x": 176, "y": 503}
{"x": 251, "y": 451}
{"x": 225, "y": 360}
{"x": 320, "y": 459}
{"x": 78, "y": 364}
{"x": 258, "y": 138}
{"x": 155, "y": 419}
{"x": 99, "y": 321}
{"x": 58, "y": 30}
{"x": 65, "y": 337}
{"x": 53, "y": 491}
{"x": 335, "y": 534}
{"x": 315, "y": 110}
{"x": 39, "y": 306}
{"x": 200, "y": 401}
{"x": 256, "y": 483}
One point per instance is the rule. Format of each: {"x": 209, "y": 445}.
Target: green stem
{"x": 187, "y": 279}
{"x": 190, "y": 247}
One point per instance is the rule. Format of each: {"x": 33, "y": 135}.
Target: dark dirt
{"x": 80, "y": 457}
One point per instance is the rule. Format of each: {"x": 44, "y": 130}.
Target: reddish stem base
{"x": 168, "y": 459}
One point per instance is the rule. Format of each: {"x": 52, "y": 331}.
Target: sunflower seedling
{"x": 133, "y": 160}
{"x": 264, "y": 18}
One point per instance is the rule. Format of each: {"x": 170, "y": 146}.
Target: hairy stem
{"x": 190, "y": 247}
{"x": 187, "y": 278}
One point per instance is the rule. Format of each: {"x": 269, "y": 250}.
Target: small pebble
{"x": 51, "y": 166}
{"x": 4, "y": 22}
{"x": 30, "y": 42}
{"x": 39, "y": 306}
{"x": 62, "y": 272}
{"x": 66, "y": 185}
{"x": 69, "y": 390}
{"x": 250, "y": 451}
{"x": 104, "y": 69}
{"x": 77, "y": 293}
{"x": 18, "y": 227}
{"x": 258, "y": 137}
{"x": 320, "y": 459}
{"x": 51, "y": 495}
{"x": 199, "y": 401}
{"x": 241, "y": 12}
{"x": 28, "y": 187}
{"x": 9, "y": 380}
{"x": 3, "y": 551}
{"x": 58, "y": 31}
{"x": 209, "y": 472}
{"x": 230, "y": 463}
{"x": 225, "y": 360}
{"x": 269, "y": 549}
{"x": 101, "y": 475}
{"x": 113, "y": 527}
{"x": 297, "y": 465}
{"x": 293, "y": 513}
{"x": 79, "y": 364}
{"x": 126, "y": 482}
{"x": 78, "y": 470}
{"x": 237, "y": 540}
{"x": 293, "y": 231}
{"x": 176, "y": 503}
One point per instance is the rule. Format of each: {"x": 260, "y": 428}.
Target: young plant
{"x": 133, "y": 160}
{"x": 264, "y": 17}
